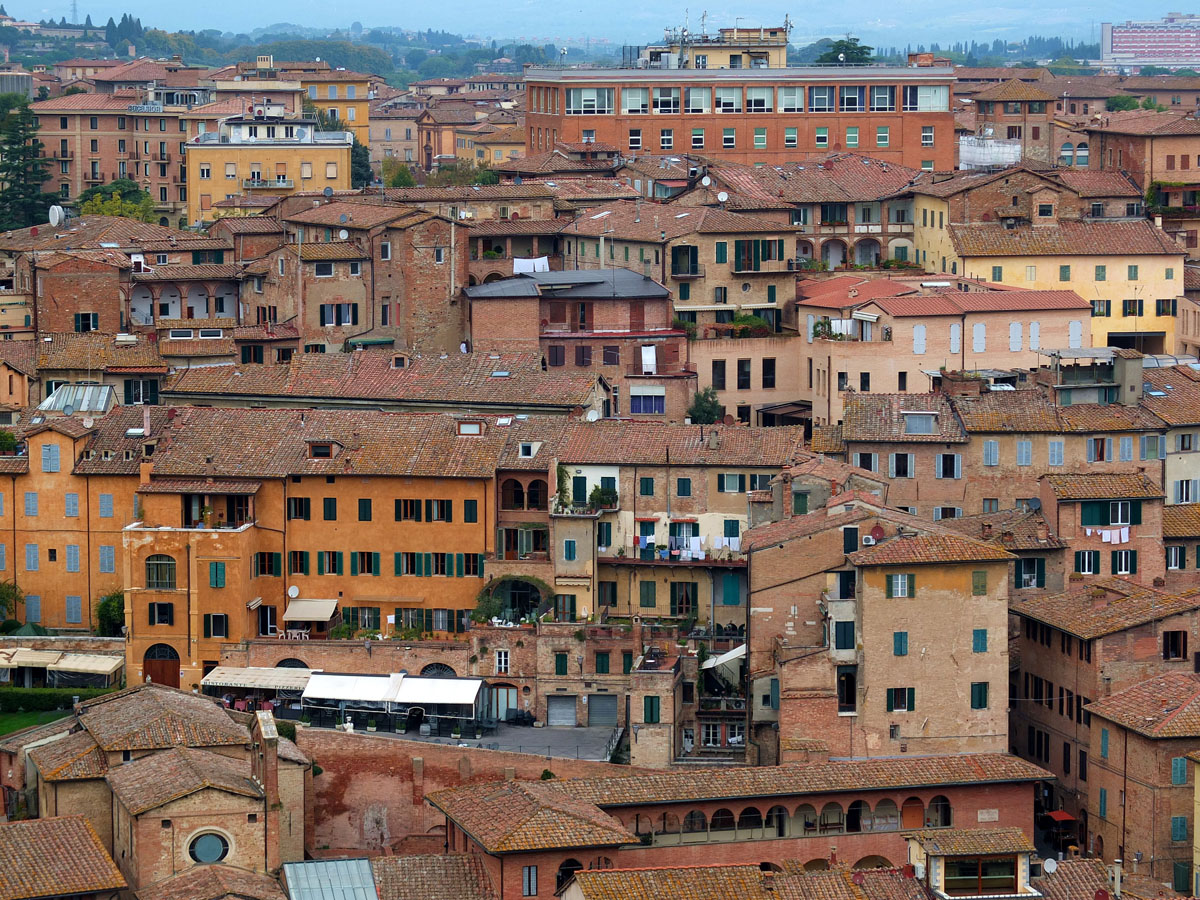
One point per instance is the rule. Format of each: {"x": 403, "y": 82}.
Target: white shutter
{"x": 979, "y": 337}
{"x": 912, "y": 462}
{"x": 937, "y": 513}
{"x": 1014, "y": 337}
{"x": 957, "y": 465}
{"x": 891, "y": 465}
{"x": 918, "y": 339}
{"x": 1075, "y": 335}
{"x": 955, "y": 337}
{"x": 811, "y": 321}
{"x": 1035, "y": 335}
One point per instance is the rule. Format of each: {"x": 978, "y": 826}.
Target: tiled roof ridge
{"x": 1186, "y": 704}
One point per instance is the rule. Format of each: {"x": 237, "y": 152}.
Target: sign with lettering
{"x": 146, "y": 108}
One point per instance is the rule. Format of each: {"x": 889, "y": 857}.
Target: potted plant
{"x": 305, "y": 719}
{"x": 206, "y": 514}
{"x": 370, "y": 724}
{"x": 456, "y": 731}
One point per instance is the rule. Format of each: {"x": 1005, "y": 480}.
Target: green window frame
{"x": 651, "y": 709}
{"x": 1179, "y": 828}
{"x": 979, "y": 583}
{"x": 1064, "y": 273}
{"x": 626, "y": 661}
{"x": 852, "y": 136}
{"x": 979, "y": 640}
{"x": 560, "y": 664}
{"x": 760, "y": 139}
{"x": 883, "y": 135}
{"x": 216, "y": 574}
{"x": 721, "y": 251}
{"x": 329, "y": 509}
{"x": 979, "y": 695}
{"x": 1179, "y": 770}
{"x": 647, "y": 595}
{"x": 470, "y": 510}
{"x": 364, "y": 509}
{"x": 997, "y": 273}
{"x": 1131, "y": 273}
{"x": 1104, "y": 743}
{"x": 899, "y": 643}
{"x": 1101, "y": 273}
{"x": 683, "y": 487}
{"x": 602, "y": 662}
{"x": 646, "y": 487}
{"x": 822, "y": 137}
{"x": 1103, "y": 811}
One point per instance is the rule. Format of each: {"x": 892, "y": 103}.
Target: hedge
{"x": 18, "y": 699}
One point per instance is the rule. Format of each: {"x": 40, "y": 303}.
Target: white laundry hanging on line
{"x": 1106, "y": 536}
{"x": 534, "y": 264}
{"x": 1125, "y": 534}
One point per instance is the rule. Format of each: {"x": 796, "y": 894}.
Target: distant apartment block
{"x": 1173, "y": 40}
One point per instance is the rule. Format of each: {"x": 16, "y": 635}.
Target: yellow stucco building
{"x": 343, "y": 96}
{"x": 261, "y": 155}
{"x": 1129, "y": 270}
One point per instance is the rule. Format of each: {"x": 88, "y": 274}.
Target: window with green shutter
{"x": 1179, "y": 770}
{"x": 1179, "y": 829}
{"x": 604, "y": 534}
{"x": 216, "y": 574}
{"x": 683, "y": 487}
{"x": 650, "y": 709}
{"x": 470, "y": 510}
{"x": 1103, "y": 803}
{"x": 560, "y": 664}
{"x": 731, "y": 593}
{"x": 601, "y": 663}
{"x": 626, "y": 661}
{"x": 649, "y": 598}
{"x": 900, "y": 643}
{"x": 646, "y": 487}
{"x": 979, "y": 695}
{"x": 721, "y": 249}
{"x": 733, "y": 528}
{"x": 800, "y": 508}
{"x": 685, "y": 291}
{"x": 1064, "y": 273}
{"x": 979, "y": 640}
{"x": 330, "y": 509}
{"x": 979, "y": 583}
{"x": 1104, "y": 743}
{"x": 364, "y": 509}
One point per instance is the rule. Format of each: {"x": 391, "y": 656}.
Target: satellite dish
{"x": 89, "y": 422}
{"x": 328, "y": 192}
{"x": 56, "y": 216}
{"x": 706, "y": 181}
{"x": 343, "y": 218}
{"x": 343, "y": 234}
{"x": 1034, "y": 503}
{"x": 69, "y": 410}
{"x": 722, "y": 197}
{"x": 1050, "y": 866}
{"x": 293, "y": 592}
{"x": 592, "y": 415}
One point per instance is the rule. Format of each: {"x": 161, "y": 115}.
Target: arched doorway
{"x": 566, "y": 872}
{"x": 866, "y": 252}
{"x": 833, "y": 254}
{"x": 912, "y": 813}
{"x": 1098, "y": 849}
{"x": 161, "y": 665}
{"x": 438, "y": 670}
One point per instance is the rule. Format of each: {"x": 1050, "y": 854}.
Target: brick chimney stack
{"x": 264, "y": 769}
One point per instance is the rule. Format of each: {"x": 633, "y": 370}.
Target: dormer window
{"x": 527, "y": 449}
{"x": 920, "y": 422}
{"x": 129, "y": 454}
{"x": 399, "y": 362}
{"x": 470, "y": 428}
{"x": 108, "y": 454}
{"x": 320, "y": 450}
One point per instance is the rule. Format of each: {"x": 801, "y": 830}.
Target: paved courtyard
{"x": 561, "y": 741}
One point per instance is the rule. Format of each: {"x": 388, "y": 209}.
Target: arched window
{"x": 857, "y": 816}
{"x": 535, "y": 495}
{"x": 938, "y": 814}
{"x": 642, "y": 824}
{"x": 695, "y": 822}
{"x": 806, "y": 818}
{"x": 1081, "y": 154}
{"x": 750, "y": 820}
{"x": 566, "y": 872}
{"x": 160, "y": 572}
{"x": 912, "y": 813}
{"x": 833, "y": 819}
{"x": 438, "y": 670}
{"x": 512, "y": 495}
{"x": 291, "y": 663}
{"x": 161, "y": 651}
{"x": 1066, "y": 154}
{"x": 777, "y": 822}
{"x": 722, "y": 820}
{"x": 667, "y": 824}
{"x": 886, "y": 817}
{"x": 601, "y": 862}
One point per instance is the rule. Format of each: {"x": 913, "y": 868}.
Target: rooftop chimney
{"x": 264, "y": 769}
{"x": 987, "y": 531}
{"x": 1043, "y": 531}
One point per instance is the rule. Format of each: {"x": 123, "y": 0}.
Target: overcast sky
{"x": 633, "y": 21}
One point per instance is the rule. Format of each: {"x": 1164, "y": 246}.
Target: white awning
{"x": 417, "y": 691}
{"x": 864, "y": 316}
{"x": 11, "y": 657}
{"x": 88, "y": 663}
{"x": 725, "y": 659}
{"x": 310, "y": 611}
{"x": 361, "y": 688}
{"x": 278, "y": 679}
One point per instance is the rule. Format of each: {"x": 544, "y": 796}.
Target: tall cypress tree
{"x": 22, "y": 171}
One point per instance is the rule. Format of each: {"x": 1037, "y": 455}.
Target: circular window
{"x": 745, "y": 287}
{"x": 209, "y": 848}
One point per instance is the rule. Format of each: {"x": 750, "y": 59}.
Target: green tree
{"x": 22, "y": 168}
{"x": 360, "y": 165}
{"x": 706, "y": 407}
{"x": 141, "y": 208}
{"x": 847, "y": 52}
{"x": 110, "y": 614}
{"x": 397, "y": 174}
{"x": 1149, "y": 103}
{"x": 10, "y": 598}
{"x": 8, "y": 441}
{"x": 1121, "y": 102}
{"x": 127, "y": 188}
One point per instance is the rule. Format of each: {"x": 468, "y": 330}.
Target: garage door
{"x": 602, "y": 709}
{"x": 560, "y": 711}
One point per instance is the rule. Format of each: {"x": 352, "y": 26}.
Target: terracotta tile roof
{"x": 764, "y": 536}
{"x": 1013, "y": 91}
{"x": 54, "y": 857}
{"x": 973, "y": 841}
{"x": 845, "y": 291}
{"x": 1096, "y": 417}
{"x": 581, "y": 190}
{"x": 1106, "y": 606}
{"x": 1100, "y": 486}
{"x": 118, "y": 102}
{"x": 834, "y": 776}
{"x": 96, "y": 350}
{"x": 832, "y": 470}
{"x": 456, "y": 876}
{"x": 247, "y": 225}
{"x": 442, "y": 115}
{"x": 152, "y": 717}
{"x": 208, "y": 347}
{"x": 998, "y": 301}
{"x": 927, "y": 549}
{"x": 1026, "y": 412}
{"x": 193, "y": 485}
{"x": 15, "y": 741}
{"x": 1097, "y": 183}
{"x": 880, "y": 417}
{"x": 1181, "y": 520}
{"x": 357, "y": 215}
{"x": 202, "y": 272}
{"x": 1082, "y": 878}
{"x": 832, "y": 178}
{"x": 216, "y": 882}
{"x": 150, "y": 781}
{"x": 553, "y": 162}
{"x": 632, "y": 442}
{"x": 113, "y": 258}
{"x": 827, "y": 439}
{"x": 1067, "y": 238}
{"x": 462, "y": 379}
{"x": 1000, "y": 73}
{"x": 1165, "y": 706}
{"x": 111, "y": 435}
{"x": 1173, "y": 395}
{"x": 88, "y": 232}
{"x": 514, "y": 816}
{"x": 701, "y": 882}
{"x": 469, "y": 192}
{"x": 278, "y": 331}
{"x": 72, "y": 758}
{"x": 1013, "y": 529}
{"x": 502, "y": 227}
{"x": 331, "y": 250}
{"x": 1146, "y": 122}
{"x": 20, "y": 355}
{"x": 1085, "y": 87}
{"x": 648, "y": 222}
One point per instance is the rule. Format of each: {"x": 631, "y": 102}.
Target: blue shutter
{"x": 979, "y": 640}
{"x": 33, "y": 608}
{"x": 71, "y": 505}
{"x": 74, "y": 610}
{"x": 1103, "y": 744}
{"x": 31, "y": 557}
{"x": 72, "y": 557}
{"x": 31, "y": 503}
{"x": 1179, "y": 770}
{"x": 108, "y": 558}
{"x": 4, "y": 557}
{"x": 1104, "y": 803}
{"x": 106, "y": 506}
{"x": 1179, "y": 828}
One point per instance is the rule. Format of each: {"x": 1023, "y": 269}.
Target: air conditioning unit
{"x": 868, "y": 541}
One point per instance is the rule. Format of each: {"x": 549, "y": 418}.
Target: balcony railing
{"x": 687, "y": 270}
{"x": 263, "y": 183}
{"x": 662, "y": 370}
{"x": 763, "y": 267}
